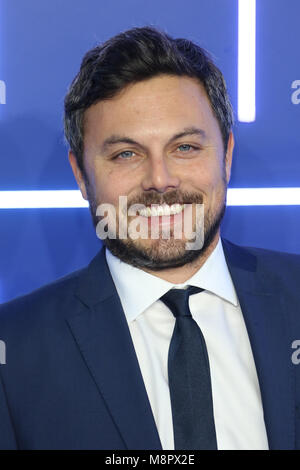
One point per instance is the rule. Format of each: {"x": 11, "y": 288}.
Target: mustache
{"x": 171, "y": 197}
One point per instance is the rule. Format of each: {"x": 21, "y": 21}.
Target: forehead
{"x": 156, "y": 107}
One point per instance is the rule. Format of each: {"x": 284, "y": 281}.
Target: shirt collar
{"x": 138, "y": 289}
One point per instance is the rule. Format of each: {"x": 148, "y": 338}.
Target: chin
{"x": 153, "y": 254}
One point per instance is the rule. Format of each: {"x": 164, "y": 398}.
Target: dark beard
{"x": 140, "y": 258}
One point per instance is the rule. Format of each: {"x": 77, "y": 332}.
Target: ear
{"x": 78, "y": 174}
{"x": 228, "y": 157}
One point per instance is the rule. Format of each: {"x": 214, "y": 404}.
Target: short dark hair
{"x": 132, "y": 56}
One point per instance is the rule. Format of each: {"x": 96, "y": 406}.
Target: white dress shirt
{"x": 237, "y": 402}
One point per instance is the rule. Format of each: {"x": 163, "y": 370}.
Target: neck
{"x": 181, "y": 274}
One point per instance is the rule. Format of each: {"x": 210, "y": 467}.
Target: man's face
{"x": 156, "y": 142}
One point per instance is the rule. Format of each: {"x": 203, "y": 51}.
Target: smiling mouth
{"x": 161, "y": 210}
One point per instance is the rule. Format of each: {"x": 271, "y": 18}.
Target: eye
{"x": 125, "y": 155}
{"x": 185, "y": 147}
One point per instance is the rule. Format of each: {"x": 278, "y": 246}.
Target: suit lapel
{"x": 103, "y": 337}
{"x": 263, "y": 309}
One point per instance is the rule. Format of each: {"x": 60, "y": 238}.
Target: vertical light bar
{"x": 2, "y": 83}
{"x": 246, "y": 60}
{"x": 2, "y": 92}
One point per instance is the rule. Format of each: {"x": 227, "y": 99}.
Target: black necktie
{"x": 189, "y": 377}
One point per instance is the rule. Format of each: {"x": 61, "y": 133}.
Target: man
{"x": 111, "y": 357}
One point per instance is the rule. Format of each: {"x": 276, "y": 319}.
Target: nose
{"x": 158, "y": 176}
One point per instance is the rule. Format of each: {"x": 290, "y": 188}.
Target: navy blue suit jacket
{"x": 72, "y": 379}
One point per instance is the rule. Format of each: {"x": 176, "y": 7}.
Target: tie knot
{"x": 178, "y": 300}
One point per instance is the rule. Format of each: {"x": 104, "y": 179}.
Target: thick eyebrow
{"x": 119, "y": 139}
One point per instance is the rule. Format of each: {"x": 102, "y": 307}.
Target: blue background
{"x": 41, "y": 46}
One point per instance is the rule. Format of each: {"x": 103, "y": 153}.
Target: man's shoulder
{"x": 275, "y": 263}
{"x": 262, "y": 253}
{"x": 40, "y": 300}
{"x": 46, "y": 302}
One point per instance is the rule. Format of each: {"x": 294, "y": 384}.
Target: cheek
{"x": 209, "y": 181}
{"x": 206, "y": 178}
{"x": 108, "y": 186}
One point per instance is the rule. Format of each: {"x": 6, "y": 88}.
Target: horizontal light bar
{"x": 263, "y": 197}
{"x": 246, "y": 60}
{"x": 73, "y": 199}
{"x": 41, "y": 199}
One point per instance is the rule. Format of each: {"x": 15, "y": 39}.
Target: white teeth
{"x": 167, "y": 210}
{"x": 176, "y": 208}
{"x": 164, "y": 209}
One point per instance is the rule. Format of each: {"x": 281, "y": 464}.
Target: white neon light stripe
{"x": 73, "y": 199}
{"x": 263, "y": 197}
{"x": 41, "y": 199}
{"x": 246, "y": 60}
